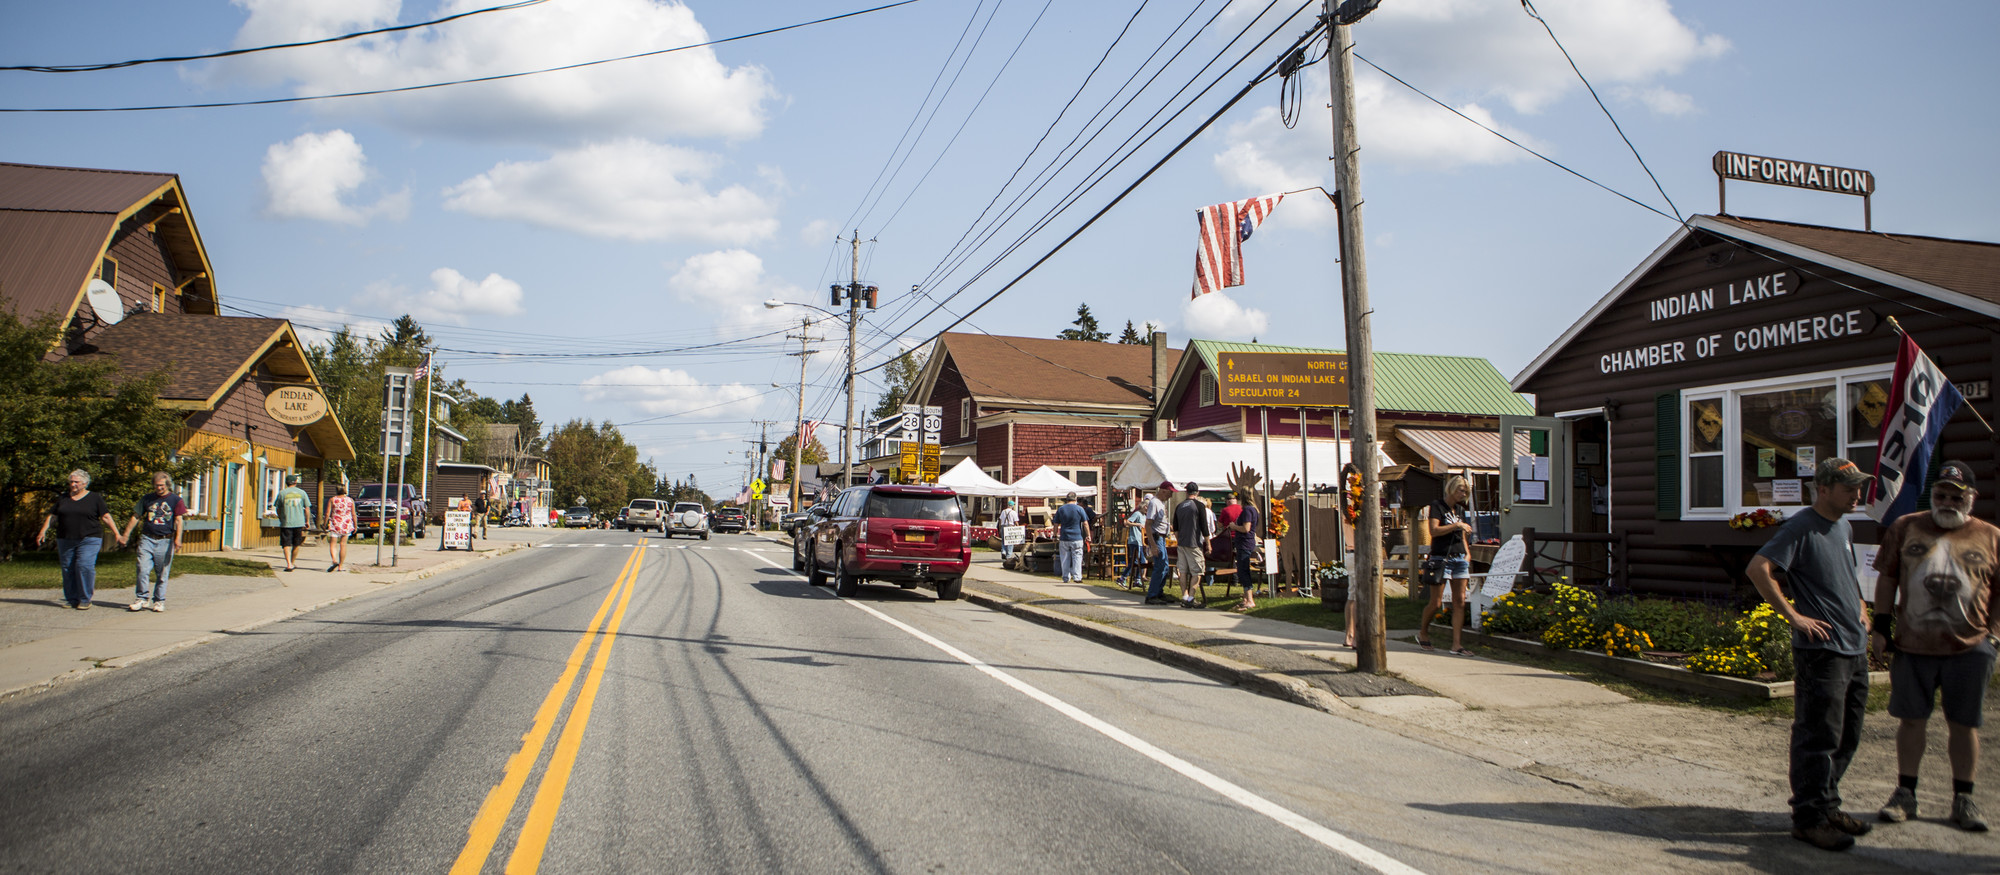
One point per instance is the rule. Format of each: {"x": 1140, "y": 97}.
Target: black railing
{"x": 1544, "y": 570}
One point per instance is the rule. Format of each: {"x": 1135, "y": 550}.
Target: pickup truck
{"x": 371, "y": 511}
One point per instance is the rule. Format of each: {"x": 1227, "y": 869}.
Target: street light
{"x": 847, "y": 434}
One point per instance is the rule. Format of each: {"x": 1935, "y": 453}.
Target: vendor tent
{"x": 1207, "y": 463}
{"x": 1046, "y": 483}
{"x": 965, "y": 478}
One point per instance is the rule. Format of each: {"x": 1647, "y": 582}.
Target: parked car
{"x": 802, "y": 532}
{"x": 688, "y": 518}
{"x": 728, "y": 519}
{"x": 372, "y": 513}
{"x": 790, "y": 522}
{"x": 907, "y": 535}
{"x": 578, "y": 517}
{"x": 618, "y": 522}
{"x": 646, "y": 515}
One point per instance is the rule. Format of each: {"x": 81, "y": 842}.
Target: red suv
{"x": 907, "y": 535}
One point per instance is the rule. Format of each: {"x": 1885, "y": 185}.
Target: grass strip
{"x": 39, "y": 569}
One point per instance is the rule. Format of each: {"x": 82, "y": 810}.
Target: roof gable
{"x": 1407, "y": 382}
{"x": 1965, "y": 273}
{"x": 1027, "y": 370}
{"x": 57, "y": 222}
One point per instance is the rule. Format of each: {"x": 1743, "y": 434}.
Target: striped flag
{"x": 1921, "y": 401}
{"x": 424, "y": 369}
{"x": 1218, "y": 258}
{"x": 807, "y": 429}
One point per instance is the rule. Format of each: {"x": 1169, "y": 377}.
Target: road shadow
{"x": 1764, "y": 837}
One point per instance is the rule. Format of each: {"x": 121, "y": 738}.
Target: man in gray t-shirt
{"x": 1815, "y": 551}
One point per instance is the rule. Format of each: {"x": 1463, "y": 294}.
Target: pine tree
{"x": 1131, "y": 335}
{"x": 1086, "y": 327}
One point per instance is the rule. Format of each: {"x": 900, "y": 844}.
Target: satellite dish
{"x": 104, "y": 299}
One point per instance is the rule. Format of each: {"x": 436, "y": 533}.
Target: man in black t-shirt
{"x": 157, "y": 515}
{"x": 479, "y": 512}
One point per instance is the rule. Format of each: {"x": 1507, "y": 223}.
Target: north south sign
{"x": 1282, "y": 379}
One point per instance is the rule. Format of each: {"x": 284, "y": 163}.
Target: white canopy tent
{"x": 1207, "y": 463}
{"x": 1046, "y": 483}
{"x": 965, "y": 478}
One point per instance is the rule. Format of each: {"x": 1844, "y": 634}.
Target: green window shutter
{"x": 1667, "y": 456}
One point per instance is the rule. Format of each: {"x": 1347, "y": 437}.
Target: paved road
{"x": 744, "y": 721}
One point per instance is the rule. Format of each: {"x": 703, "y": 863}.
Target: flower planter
{"x": 1669, "y": 676}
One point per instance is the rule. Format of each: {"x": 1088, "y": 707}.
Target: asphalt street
{"x": 615, "y": 702}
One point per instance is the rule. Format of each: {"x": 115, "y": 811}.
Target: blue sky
{"x": 654, "y": 204}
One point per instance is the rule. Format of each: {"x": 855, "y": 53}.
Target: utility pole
{"x": 799, "y": 425}
{"x": 1370, "y": 649}
{"x": 853, "y": 319}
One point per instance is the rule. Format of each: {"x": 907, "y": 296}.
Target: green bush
{"x": 1516, "y": 612}
{"x": 1735, "y": 661}
{"x": 1676, "y": 626}
{"x": 1575, "y": 633}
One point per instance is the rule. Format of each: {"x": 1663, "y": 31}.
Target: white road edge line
{"x": 1335, "y": 841}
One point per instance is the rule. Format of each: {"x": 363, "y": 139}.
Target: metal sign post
{"x": 395, "y": 442}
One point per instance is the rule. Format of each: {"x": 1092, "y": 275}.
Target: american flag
{"x": 424, "y": 369}
{"x": 806, "y": 432}
{"x": 1218, "y": 259}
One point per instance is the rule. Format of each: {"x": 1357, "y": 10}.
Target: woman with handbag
{"x": 1449, "y": 562}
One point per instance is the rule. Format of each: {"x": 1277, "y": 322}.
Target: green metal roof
{"x": 1410, "y": 382}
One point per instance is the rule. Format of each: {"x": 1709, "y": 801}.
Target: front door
{"x": 1534, "y": 474}
{"x": 232, "y": 508}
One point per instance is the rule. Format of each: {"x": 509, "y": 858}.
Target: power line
{"x": 1530, "y": 9}
{"x": 494, "y": 78}
{"x": 117, "y": 65}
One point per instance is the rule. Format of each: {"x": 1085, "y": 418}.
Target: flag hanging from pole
{"x": 1218, "y": 258}
{"x": 1921, "y": 401}
{"x": 807, "y": 430}
{"x": 424, "y": 369}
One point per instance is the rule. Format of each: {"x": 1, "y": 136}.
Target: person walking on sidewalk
{"x": 1449, "y": 530}
{"x": 81, "y": 517}
{"x": 1072, "y": 539}
{"x": 1191, "y": 530}
{"x": 339, "y": 526}
{"x": 1936, "y": 590}
{"x": 157, "y": 515}
{"x": 1155, "y": 542}
{"x": 1815, "y": 551}
{"x": 294, "y": 508}
{"x": 479, "y": 512}
{"x": 1245, "y": 530}
{"x": 1009, "y": 516}
{"x": 1135, "y": 541}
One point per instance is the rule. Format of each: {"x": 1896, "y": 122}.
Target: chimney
{"x": 1160, "y": 375}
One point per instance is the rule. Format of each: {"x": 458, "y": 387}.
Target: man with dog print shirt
{"x": 1936, "y": 583}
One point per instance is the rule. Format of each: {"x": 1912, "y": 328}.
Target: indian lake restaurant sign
{"x": 1745, "y": 296}
{"x": 295, "y": 405}
{"x": 1282, "y": 379}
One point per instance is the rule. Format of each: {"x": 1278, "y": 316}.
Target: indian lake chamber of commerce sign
{"x": 1282, "y": 379}
{"x": 295, "y": 405}
{"x": 1745, "y": 296}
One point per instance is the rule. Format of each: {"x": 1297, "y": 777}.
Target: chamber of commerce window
{"x": 1757, "y": 444}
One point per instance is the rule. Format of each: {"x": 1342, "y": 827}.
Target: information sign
{"x": 1282, "y": 379}
{"x": 457, "y": 530}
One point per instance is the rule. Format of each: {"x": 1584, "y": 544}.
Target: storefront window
{"x": 1757, "y": 444}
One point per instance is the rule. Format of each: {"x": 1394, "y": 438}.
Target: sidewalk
{"x": 43, "y": 643}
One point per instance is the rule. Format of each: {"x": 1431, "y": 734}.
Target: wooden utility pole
{"x": 799, "y": 426}
{"x": 1370, "y": 649}
{"x": 853, "y": 320}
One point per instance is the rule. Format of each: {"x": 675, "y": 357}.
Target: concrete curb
{"x": 132, "y": 659}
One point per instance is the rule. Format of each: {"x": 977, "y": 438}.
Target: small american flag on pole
{"x": 424, "y": 369}
{"x": 806, "y": 430}
{"x": 1218, "y": 259}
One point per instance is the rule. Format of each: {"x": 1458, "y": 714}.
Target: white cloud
{"x": 818, "y": 232}
{"x": 311, "y": 176}
{"x": 731, "y": 285}
{"x": 452, "y": 297}
{"x": 318, "y": 324}
{"x": 626, "y": 189}
{"x": 670, "y": 391}
{"x": 1217, "y": 316}
{"x": 682, "y": 94}
{"x": 1664, "y": 101}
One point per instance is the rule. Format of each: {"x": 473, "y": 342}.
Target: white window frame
{"x": 273, "y": 483}
{"x": 964, "y": 417}
{"x": 1207, "y": 389}
{"x": 195, "y": 492}
{"x": 1732, "y": 433}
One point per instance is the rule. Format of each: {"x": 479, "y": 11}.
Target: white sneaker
{"x": 159, "y": 607}
{"x": 136, "y": 605}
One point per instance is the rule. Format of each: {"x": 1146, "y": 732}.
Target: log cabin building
{"x": 118, "y": 256}
{"x": 1710, "y": 380}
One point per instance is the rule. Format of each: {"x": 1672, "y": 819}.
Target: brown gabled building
{"x": 117, "y": 255}
{"x": 1014, "y": 404}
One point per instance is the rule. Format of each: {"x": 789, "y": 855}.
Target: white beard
{"x": 1949, "y": 519}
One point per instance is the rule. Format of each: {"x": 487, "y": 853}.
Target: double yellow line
{"x": 499, "y": 804}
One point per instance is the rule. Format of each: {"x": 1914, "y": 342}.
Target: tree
{"x": 901, "y": 374}
{"x": 1131, "y": 335}
{"x": 406, "y": 335}
{"x": 814, "y": 454}
{"x": 56, "y": 417}
{"x": 592, "y": 463}
{"x": 522, "y": 413}
{"x": 1086, "y": 327}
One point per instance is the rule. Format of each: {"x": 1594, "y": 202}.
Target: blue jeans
{"x": 1830, "y": 696}
{"x": 154, "y": 553}
{"x": 1070, "y": 559}
{"x": 78, "y": 557}
{"x": 1156, "y": 585}
{"x": 1132, "y": 553}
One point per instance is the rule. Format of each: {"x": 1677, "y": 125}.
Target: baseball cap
{"x": 1192, "y": 487}
{"x": 1167, "y": 485}
{"x": 1957, "y": 474}
{"x": 1839, "y": 470}
{"x": 291, "y": 479}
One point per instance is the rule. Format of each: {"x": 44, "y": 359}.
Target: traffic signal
{"x": 836, "y": 294}
{"x": 872, "y": 293}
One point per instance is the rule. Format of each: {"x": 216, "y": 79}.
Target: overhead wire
{"x": 1529, "y": 7}
{"x": 271, "y": 101}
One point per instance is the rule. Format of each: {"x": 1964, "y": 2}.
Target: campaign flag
{"x": 1921, "y": 401}
{"x": 1218, "y": 258}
